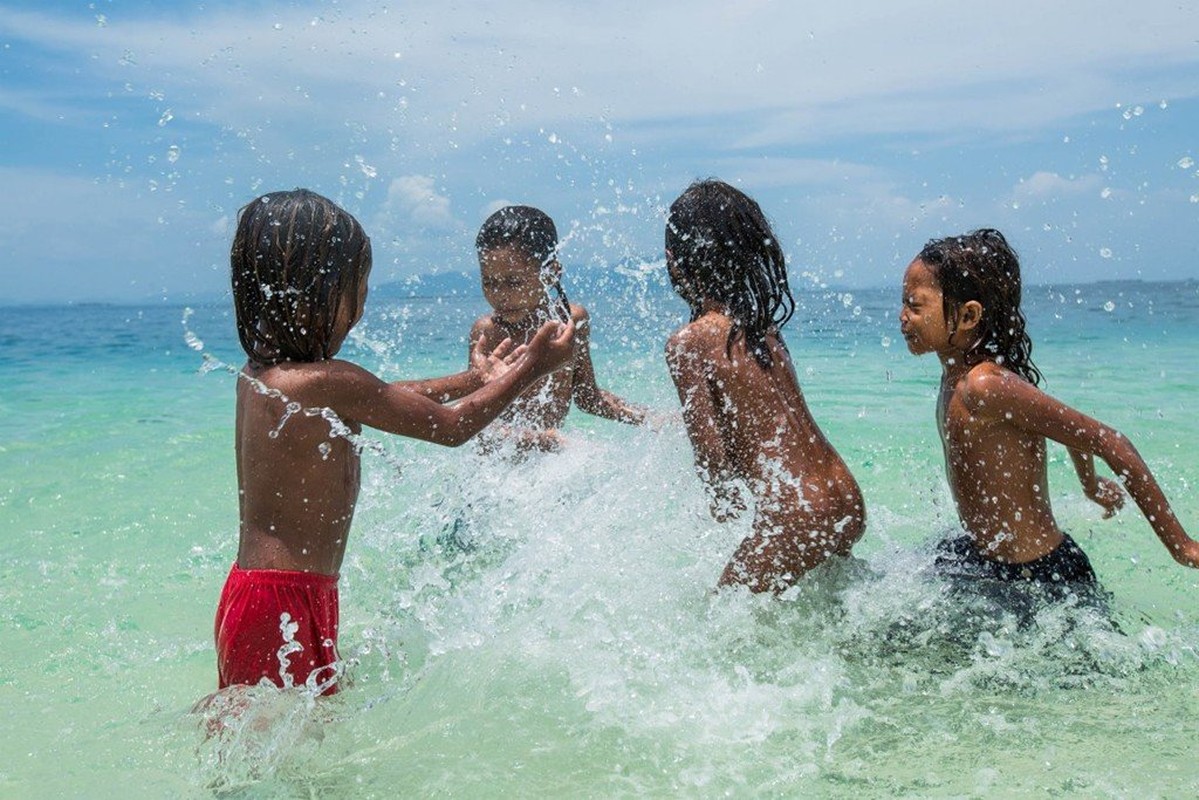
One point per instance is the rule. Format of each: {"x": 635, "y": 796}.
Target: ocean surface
{"x": 572, "y": 647}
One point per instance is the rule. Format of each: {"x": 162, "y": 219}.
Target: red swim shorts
{"x": 280, "y": 625}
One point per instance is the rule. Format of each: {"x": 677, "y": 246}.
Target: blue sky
{"x": 133, "y": 131}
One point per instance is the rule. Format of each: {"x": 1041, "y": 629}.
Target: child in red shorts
{"x": 299, "y": 268}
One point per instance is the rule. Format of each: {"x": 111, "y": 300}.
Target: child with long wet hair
{"x": 961, "y": 300}
{"x": 746, "y": 417}
{"x": 521, "y": 276}
{"x": 299, "y": 268}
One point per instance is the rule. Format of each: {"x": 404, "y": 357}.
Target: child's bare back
{"x": 296, "y": 509}
{"x": 753, "y": 424}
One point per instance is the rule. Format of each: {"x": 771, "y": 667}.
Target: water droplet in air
{"x": 166, "y": 117}
{"x": 278, "y": 26}
{"x": 101, "y": 21}
{"x": 1106, "y": 193}
{"x": 366, "y": 168}
{"x": 1105, "y": 252}
{"x": 886, "y": 341}
{"x": 1109, "y": 306}
{"x": 1186, "y": 162}
{"x": 173, "y": 153}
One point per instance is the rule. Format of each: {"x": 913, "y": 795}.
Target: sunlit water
{"x": 572, "y": 647}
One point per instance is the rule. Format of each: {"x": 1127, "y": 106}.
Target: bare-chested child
{"x": 522, "y": 281}
{"x": 961, "y": 300}
{"x": 742, "y": 405}
{"x": 299, "y": 270}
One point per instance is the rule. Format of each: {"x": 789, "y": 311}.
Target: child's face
{"x": 922, "y": 317}
{"x": 512, "y": 282}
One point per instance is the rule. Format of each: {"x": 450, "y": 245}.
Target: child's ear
{"x": 970, "y": 315}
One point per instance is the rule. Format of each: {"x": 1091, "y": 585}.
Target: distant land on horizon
{"x": 623, "y": 277}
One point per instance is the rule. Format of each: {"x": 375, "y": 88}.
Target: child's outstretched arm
{"x": 995, "y": 392}
{"x": 484, "y": 366}
{"x": 585, "y": 392}
{"x": 360, "y": 396}
{"x": 687, "y": 369}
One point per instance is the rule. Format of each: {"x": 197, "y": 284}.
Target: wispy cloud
{"x": 858, "y": 128}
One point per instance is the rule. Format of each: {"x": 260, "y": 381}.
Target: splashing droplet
{"x": 1109, "y": 306}
{"x": 1105, "y": 252}
{"x": 366, "y": 168}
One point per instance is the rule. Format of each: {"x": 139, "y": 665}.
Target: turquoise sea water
{"x": 576, "y": 650}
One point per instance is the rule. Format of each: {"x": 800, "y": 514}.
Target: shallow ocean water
{"x": 572, "y": 646}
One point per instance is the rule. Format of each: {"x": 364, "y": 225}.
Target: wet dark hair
{"x": 723, "y": 249}
{"x": 982, "y": 266}
{"x": 530, "y": 232}
{"x": 296, "y": 258}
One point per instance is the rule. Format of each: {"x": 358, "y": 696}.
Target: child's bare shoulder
{"x": 485, "y": 328}
{"x": 700, "y": 337}
{"x": 314, "y": 383}
{"x": 985, "y": 382}
{"x": 483, "y": 324}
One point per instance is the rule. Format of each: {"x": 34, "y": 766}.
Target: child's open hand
{"x": 1108, "y": 494}
{"x": 492, "y": 365}
{"x": 552, "y": 347}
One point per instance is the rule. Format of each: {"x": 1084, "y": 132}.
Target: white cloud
{"x": 787, "y": 71}
{"x": 414, "y": 202}
{"x": 1046, "y": 185}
